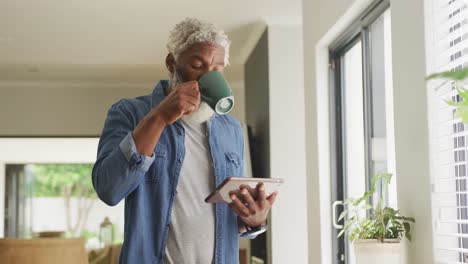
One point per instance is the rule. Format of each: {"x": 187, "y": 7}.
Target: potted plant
{"x": 376, "y": 231}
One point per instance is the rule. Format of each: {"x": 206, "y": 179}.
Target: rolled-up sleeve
{"x": 128, "y": 148}
{"x": 119, "y": 168}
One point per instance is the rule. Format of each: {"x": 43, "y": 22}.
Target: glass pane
{"x": 18, "y": 202}
{"x": 59, "y": 200}
{"x": 381, "y": 111}
{"x": 353, "y": 125}
{"x": 353, "y": 102}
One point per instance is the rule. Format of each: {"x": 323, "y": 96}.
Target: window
{"x": 448, "y": 134}
{"x": 362, "y": 111}
{"x": 48, "y": 188}
{"x": 55, "y": 197}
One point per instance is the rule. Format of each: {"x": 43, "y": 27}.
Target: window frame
{"x": 357, "y": 31}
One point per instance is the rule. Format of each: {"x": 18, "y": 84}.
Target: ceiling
{"x": 119, "y": 40}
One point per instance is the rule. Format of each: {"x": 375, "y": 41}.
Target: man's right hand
{"x": 182, "y": 100}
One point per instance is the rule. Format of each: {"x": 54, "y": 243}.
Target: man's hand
{"x": 182, "y": 100}
{"x": 252, "y": 212}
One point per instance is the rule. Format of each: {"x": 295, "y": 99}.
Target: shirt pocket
{"x": 233, "y": 164}
{"x": 159, "y": 165}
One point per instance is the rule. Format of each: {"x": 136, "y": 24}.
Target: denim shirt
{"x": 148, "y": 184}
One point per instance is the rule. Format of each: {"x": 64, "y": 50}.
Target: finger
{"x": 188, "y": 94}
{"x": 249, "y": 200}
{"x": 192, "y": 93}
{"x": 237, "y": 211}
{"x": 191, "y": 100}
{"x": 239, "y": 206}
{"x": 192, "y": 85}
{"x": 272, "y": 198}
{"x": 186, "y": 107}
{"x": 261, "y": 197}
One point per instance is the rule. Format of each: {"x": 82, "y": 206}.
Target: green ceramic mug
{"x": 215, "y": 91}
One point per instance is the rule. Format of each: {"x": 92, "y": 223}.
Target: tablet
{"x": 233, "y": 184}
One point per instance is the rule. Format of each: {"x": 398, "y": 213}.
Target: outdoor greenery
{"x": 381, "y": 222}
{"x": 51, "y": 180}
{"x": 67, "y": 181}
{"x": 118, "y": 236}
{"x": 457, "y": 77}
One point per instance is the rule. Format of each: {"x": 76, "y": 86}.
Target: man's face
{"x": 195, "y": 61}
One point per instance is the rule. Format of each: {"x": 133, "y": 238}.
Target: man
{"x": 165, "y": 152}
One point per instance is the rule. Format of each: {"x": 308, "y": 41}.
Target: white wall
{"x": 49, "y": 214}
{"x": 60, "y": 108}
{"x": 324, "y": 20}
{"x": 411, "y": 124}
{"x": 238, "y": 91}
{"x": 287, "y": 150}
{"x": 71, "y": 108}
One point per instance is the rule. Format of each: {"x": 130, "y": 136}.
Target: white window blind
{"x": 447, "y": 49}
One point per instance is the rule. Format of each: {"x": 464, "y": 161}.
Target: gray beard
{"x": 202, "y": 114}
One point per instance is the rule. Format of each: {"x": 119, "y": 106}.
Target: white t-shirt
{"x": 191, "y": 237}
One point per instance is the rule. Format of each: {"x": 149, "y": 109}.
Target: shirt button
{"x": 135, "y": 159}
{"x": 180, "y": 160}
{"x": 181, "y": 132}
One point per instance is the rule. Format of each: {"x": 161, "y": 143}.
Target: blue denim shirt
{"x": 148, "y": 184}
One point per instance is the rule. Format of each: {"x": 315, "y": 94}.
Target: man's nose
{"x": 214, "y": 68}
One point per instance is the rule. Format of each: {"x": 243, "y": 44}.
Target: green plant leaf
{"x": 452, "y": 75}
{"x": 349, "y": 201}
{"x": 407, "y": 227}
{"x": 342, "y": 215}
{"x": 462, "y": 107}
{"x": 381, "y": 223}
{"x": 385, "y": 177}
{"x": 462, "y": 92}
{"x": 462, "y": 112}
{"x": 365, "y": 197}
{"x": 408, "y": 236}
{"x": 341, "y": 233}
{"x": 408, "y": 219}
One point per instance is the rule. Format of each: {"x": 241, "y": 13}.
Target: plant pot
{"x": 371, "y": 251}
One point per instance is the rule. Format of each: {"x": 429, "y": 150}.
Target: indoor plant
{"x": 376, "y": 231}
{"x": 457, "y": 77}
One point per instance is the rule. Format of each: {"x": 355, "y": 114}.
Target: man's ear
{"x": 170, "y": 63}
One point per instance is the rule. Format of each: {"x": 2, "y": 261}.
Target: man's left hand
{"x": 252, "y": 212}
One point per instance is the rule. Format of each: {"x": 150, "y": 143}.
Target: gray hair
{"x": 193, "y": 30}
